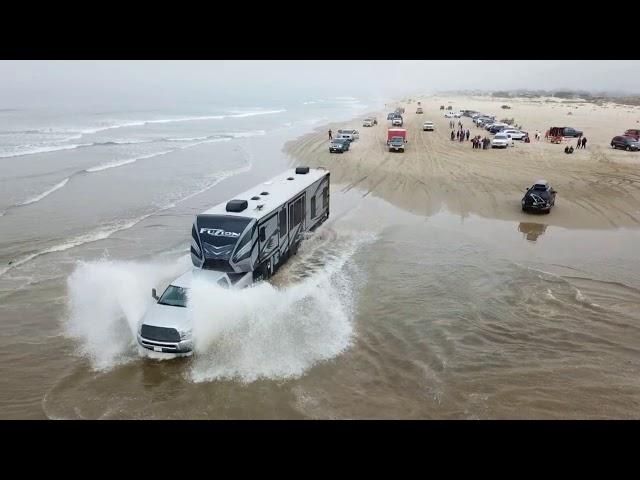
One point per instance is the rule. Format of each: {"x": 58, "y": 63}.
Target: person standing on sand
{"x": 452, "y": 135}
{"x": 468, "y": 132}
{"x": 579, "y": 142}
{"x": 330, "y": 135}
{"x": 584, "y": 142}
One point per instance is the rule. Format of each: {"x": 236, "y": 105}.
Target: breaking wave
{"x": 37, "y": 198}
{"x": 140, "y": 123}
{"x": 44, "y": 149}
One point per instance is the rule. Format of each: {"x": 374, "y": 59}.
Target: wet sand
{"x": 597, "y": 187}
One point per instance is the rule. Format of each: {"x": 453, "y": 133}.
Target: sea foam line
{"x": 37, "y": 198}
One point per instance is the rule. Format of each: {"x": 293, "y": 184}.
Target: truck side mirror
{"x": 154, "y": 294}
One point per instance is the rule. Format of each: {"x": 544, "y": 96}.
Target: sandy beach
{"x": 597, "y": 187}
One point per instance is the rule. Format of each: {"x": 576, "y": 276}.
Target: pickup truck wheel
{"x": 628, "y": 149}
{"x": 613, "y": 146}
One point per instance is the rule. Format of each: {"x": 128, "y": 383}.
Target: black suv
{"x": 339, "y": 145}
{"x": 627, "y": 143}
{"x": 540, "y": 197}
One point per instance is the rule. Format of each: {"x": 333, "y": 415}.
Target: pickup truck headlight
{"x": 185, "y": 334}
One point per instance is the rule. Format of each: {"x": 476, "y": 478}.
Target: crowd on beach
{"x": 462, "y": 135}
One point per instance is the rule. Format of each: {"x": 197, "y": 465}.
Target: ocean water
{"x": 382, "y": 314}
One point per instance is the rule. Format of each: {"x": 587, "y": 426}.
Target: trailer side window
{"x": 283, "y": 222}
{"x": 313, "y": 207}
{"x": 325, "y": 197}
{"x": 297, "y": 212}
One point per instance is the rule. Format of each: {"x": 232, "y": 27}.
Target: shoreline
{"x": 598, "y": 188}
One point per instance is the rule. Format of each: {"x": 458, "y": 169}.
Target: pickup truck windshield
{"x": 174, "y": 296}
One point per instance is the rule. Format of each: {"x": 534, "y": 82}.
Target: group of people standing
{"x": 478, "y": 142}
{"x": 461, "y": 135}
{"x": 582, "y": 142}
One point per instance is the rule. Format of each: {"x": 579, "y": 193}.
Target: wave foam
{"x": 39, "y": 197}
{"x": 141, "y": 123}
{"x": 45, "y": 149}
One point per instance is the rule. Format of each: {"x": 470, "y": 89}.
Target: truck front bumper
{"x": 184, "y": 346}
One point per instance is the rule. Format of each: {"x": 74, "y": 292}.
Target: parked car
{"x": 339, "y": 145}
{"x": 632, "y": 133}
{"x": 626, "y": 143}
{"x": 419, "y": 110}
{"x": 564, "y": 132}
{"x": 397, "y": 122}
{"x": 540, "y": 197}
{"x": 349, "y": 134}
{"x": 452, "y": 115}
{"x": 482, "y": 121}
{"x": 514, "y": 133}
{"x": 497, "y": 127}
{"x": 397, "y": 144}
{"x": 369, "y": 122}
{"x": 571, "y": 132}
{"x": 428, "y": 127}
{"x": 501, "y": 141}
{"x": 391, "y": 115}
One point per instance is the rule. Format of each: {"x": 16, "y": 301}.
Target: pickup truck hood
{"x": 167, "y": 316}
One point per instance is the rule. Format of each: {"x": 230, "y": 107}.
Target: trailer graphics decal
{"x": 218, "y": 232}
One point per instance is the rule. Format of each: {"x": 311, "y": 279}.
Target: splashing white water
{"x": 270, "y": 332}
{"x": 106, "y": 299}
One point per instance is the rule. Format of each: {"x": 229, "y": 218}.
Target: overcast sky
{"x": 42, "y": 83}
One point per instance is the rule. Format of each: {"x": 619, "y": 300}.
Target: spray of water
{"x": 106, "y": 299}
{"x": 275, "y": 333}
{"x": 263, "y": 331}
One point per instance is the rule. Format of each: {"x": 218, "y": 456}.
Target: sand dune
{"x": 597, "y": 187}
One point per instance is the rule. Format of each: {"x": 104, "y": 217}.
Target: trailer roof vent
{"x": 302, "y": 170}
{"x": 264, "y": 193}
{"x": 289, "y": 178}
{"x": 255, "y": 198}
{"x": 236, "y": 205}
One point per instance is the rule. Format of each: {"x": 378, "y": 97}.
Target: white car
{"x": 428, "y": 126}
{"x": 396, "y": 122}
{"x": 514, "y": 134}
{"x": 453, "y": 115}
{"x": 501, "y": 140}
{"x": 351, "y": 134}
{"x": 369, "y": 122}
